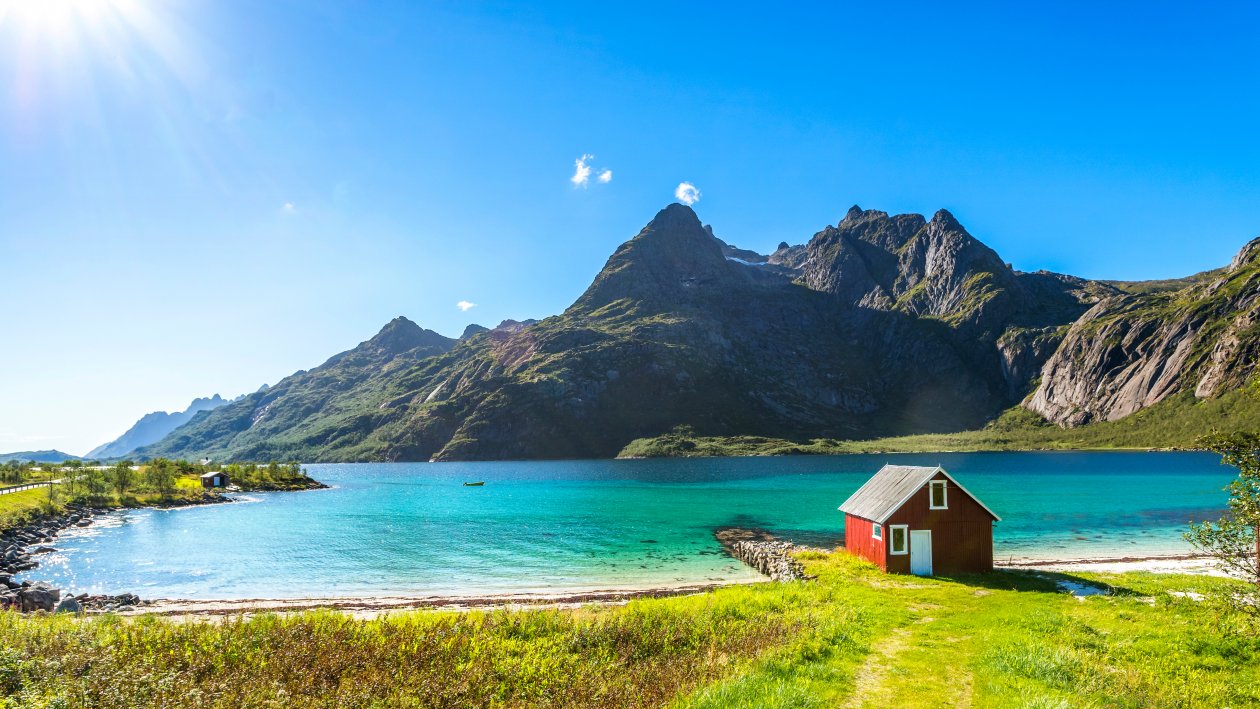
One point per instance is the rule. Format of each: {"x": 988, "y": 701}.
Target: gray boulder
{"x": 38, "y": 596}
{"x": 69, "y": 605}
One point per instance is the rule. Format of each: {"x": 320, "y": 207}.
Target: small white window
{"x": 877, "y": 532}
{"x": 898, "y": 534}
{"x": 937, "y": 499}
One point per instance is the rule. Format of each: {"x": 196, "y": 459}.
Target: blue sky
{"x": 201, "y": 197}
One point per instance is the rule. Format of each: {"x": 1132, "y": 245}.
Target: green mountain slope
{"x": 48, "y": 456}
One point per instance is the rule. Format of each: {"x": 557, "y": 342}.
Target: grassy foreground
{"x": 1176, "y": 422}
{"x": 853, "y": 637}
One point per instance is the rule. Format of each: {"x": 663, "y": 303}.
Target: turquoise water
{"x": 413, "y": 528}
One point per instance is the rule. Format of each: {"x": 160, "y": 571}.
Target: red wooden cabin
{"x": 916, "y": 520}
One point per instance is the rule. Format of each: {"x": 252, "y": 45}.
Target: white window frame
{"x": 877, "y": 531}
{"x": 905, "y": 539}
{"x": 944, "y": 494}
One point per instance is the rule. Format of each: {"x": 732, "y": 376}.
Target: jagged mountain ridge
{"x": 153, "y": 427}
{"x": 878, "y": 325}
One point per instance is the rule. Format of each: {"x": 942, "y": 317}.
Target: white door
{"x": 921, "y": 552}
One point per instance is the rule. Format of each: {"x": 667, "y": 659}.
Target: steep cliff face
{"x": 1131, "y": 351}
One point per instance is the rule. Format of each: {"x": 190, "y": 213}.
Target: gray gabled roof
{"x": 889, "y": 489}
{"x": 213, "y": 473}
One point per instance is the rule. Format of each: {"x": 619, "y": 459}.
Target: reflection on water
{"x": 414, "y": 528}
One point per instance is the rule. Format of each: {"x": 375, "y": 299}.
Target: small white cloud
{"x": 465, "y": 305}
{"x": 687, "y": 193}
{"x": 289, "y": 208}
{"x": 582, "y": 171}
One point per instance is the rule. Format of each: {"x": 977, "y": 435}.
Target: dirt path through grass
{"x": 925, "y": 663}
{"x": 869, "y": 682}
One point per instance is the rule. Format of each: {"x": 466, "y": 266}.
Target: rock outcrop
{"x": 1129, "y": 352}
{"x": 934, "y": 269}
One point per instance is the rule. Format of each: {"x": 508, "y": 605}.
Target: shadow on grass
{"x": 1039, "y": 582}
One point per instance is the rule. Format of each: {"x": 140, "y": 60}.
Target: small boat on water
{"x": 479, "y": 483}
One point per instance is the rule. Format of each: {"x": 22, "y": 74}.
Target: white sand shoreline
{"x": 1162, "y": 564}
{"x": 373, "y": 606}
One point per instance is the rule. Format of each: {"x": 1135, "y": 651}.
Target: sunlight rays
{"x": 62, "y": 18}
{"x": 76, "y": 74}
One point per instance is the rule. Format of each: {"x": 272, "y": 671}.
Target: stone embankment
{"x": 20, "y": 548}
{"x": 764, "y": 552}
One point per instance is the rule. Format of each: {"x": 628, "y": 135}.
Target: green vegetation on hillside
{"x": 158, "y": 482}
{"x": 1176, "y": 422}
{"x": 18, "y": 508}
{"x": 1164, "y": 285}
{"x": 853, "y": 636}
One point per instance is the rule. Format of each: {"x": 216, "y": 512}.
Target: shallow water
{"x": 413, "y": 528}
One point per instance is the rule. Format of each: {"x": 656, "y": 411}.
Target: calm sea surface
{"x": 413, "y": 528}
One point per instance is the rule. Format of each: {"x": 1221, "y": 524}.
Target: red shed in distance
{"x": 909, "y": 519}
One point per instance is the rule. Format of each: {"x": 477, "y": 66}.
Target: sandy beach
{"x": 1174, "y": 564}
{"x": 371, "y": 607}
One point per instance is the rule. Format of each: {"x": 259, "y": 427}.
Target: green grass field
{"x": 18, "y": 508}
{"x": 854, "y": 637}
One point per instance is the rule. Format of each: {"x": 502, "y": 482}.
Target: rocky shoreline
{"x": 20, "y": 547}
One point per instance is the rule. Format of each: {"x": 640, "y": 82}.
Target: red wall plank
{"x": 858, "y": 540}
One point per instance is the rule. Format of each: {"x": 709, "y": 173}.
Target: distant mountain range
{"x": 879, "y": 325}
{"x": 51, "y": 456}
{"x": 152, "y": 428}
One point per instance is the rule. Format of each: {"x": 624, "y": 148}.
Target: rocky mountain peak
{"x": 201, "y": 402}
{"x": 473, "y": 329}
{"x": 513, "y": 326}
{"x": 1249, "y": 254}
{"x": 397, "y": 335}
{"x": 856, "y": 216}
{"x": 672, "y": 256}
{"x": 402, "y": 335}
{"x": 945, "y": 220}
{"x": 675, "y": 215}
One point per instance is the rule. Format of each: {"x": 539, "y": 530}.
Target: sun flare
{"x": 60, "y": 17}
